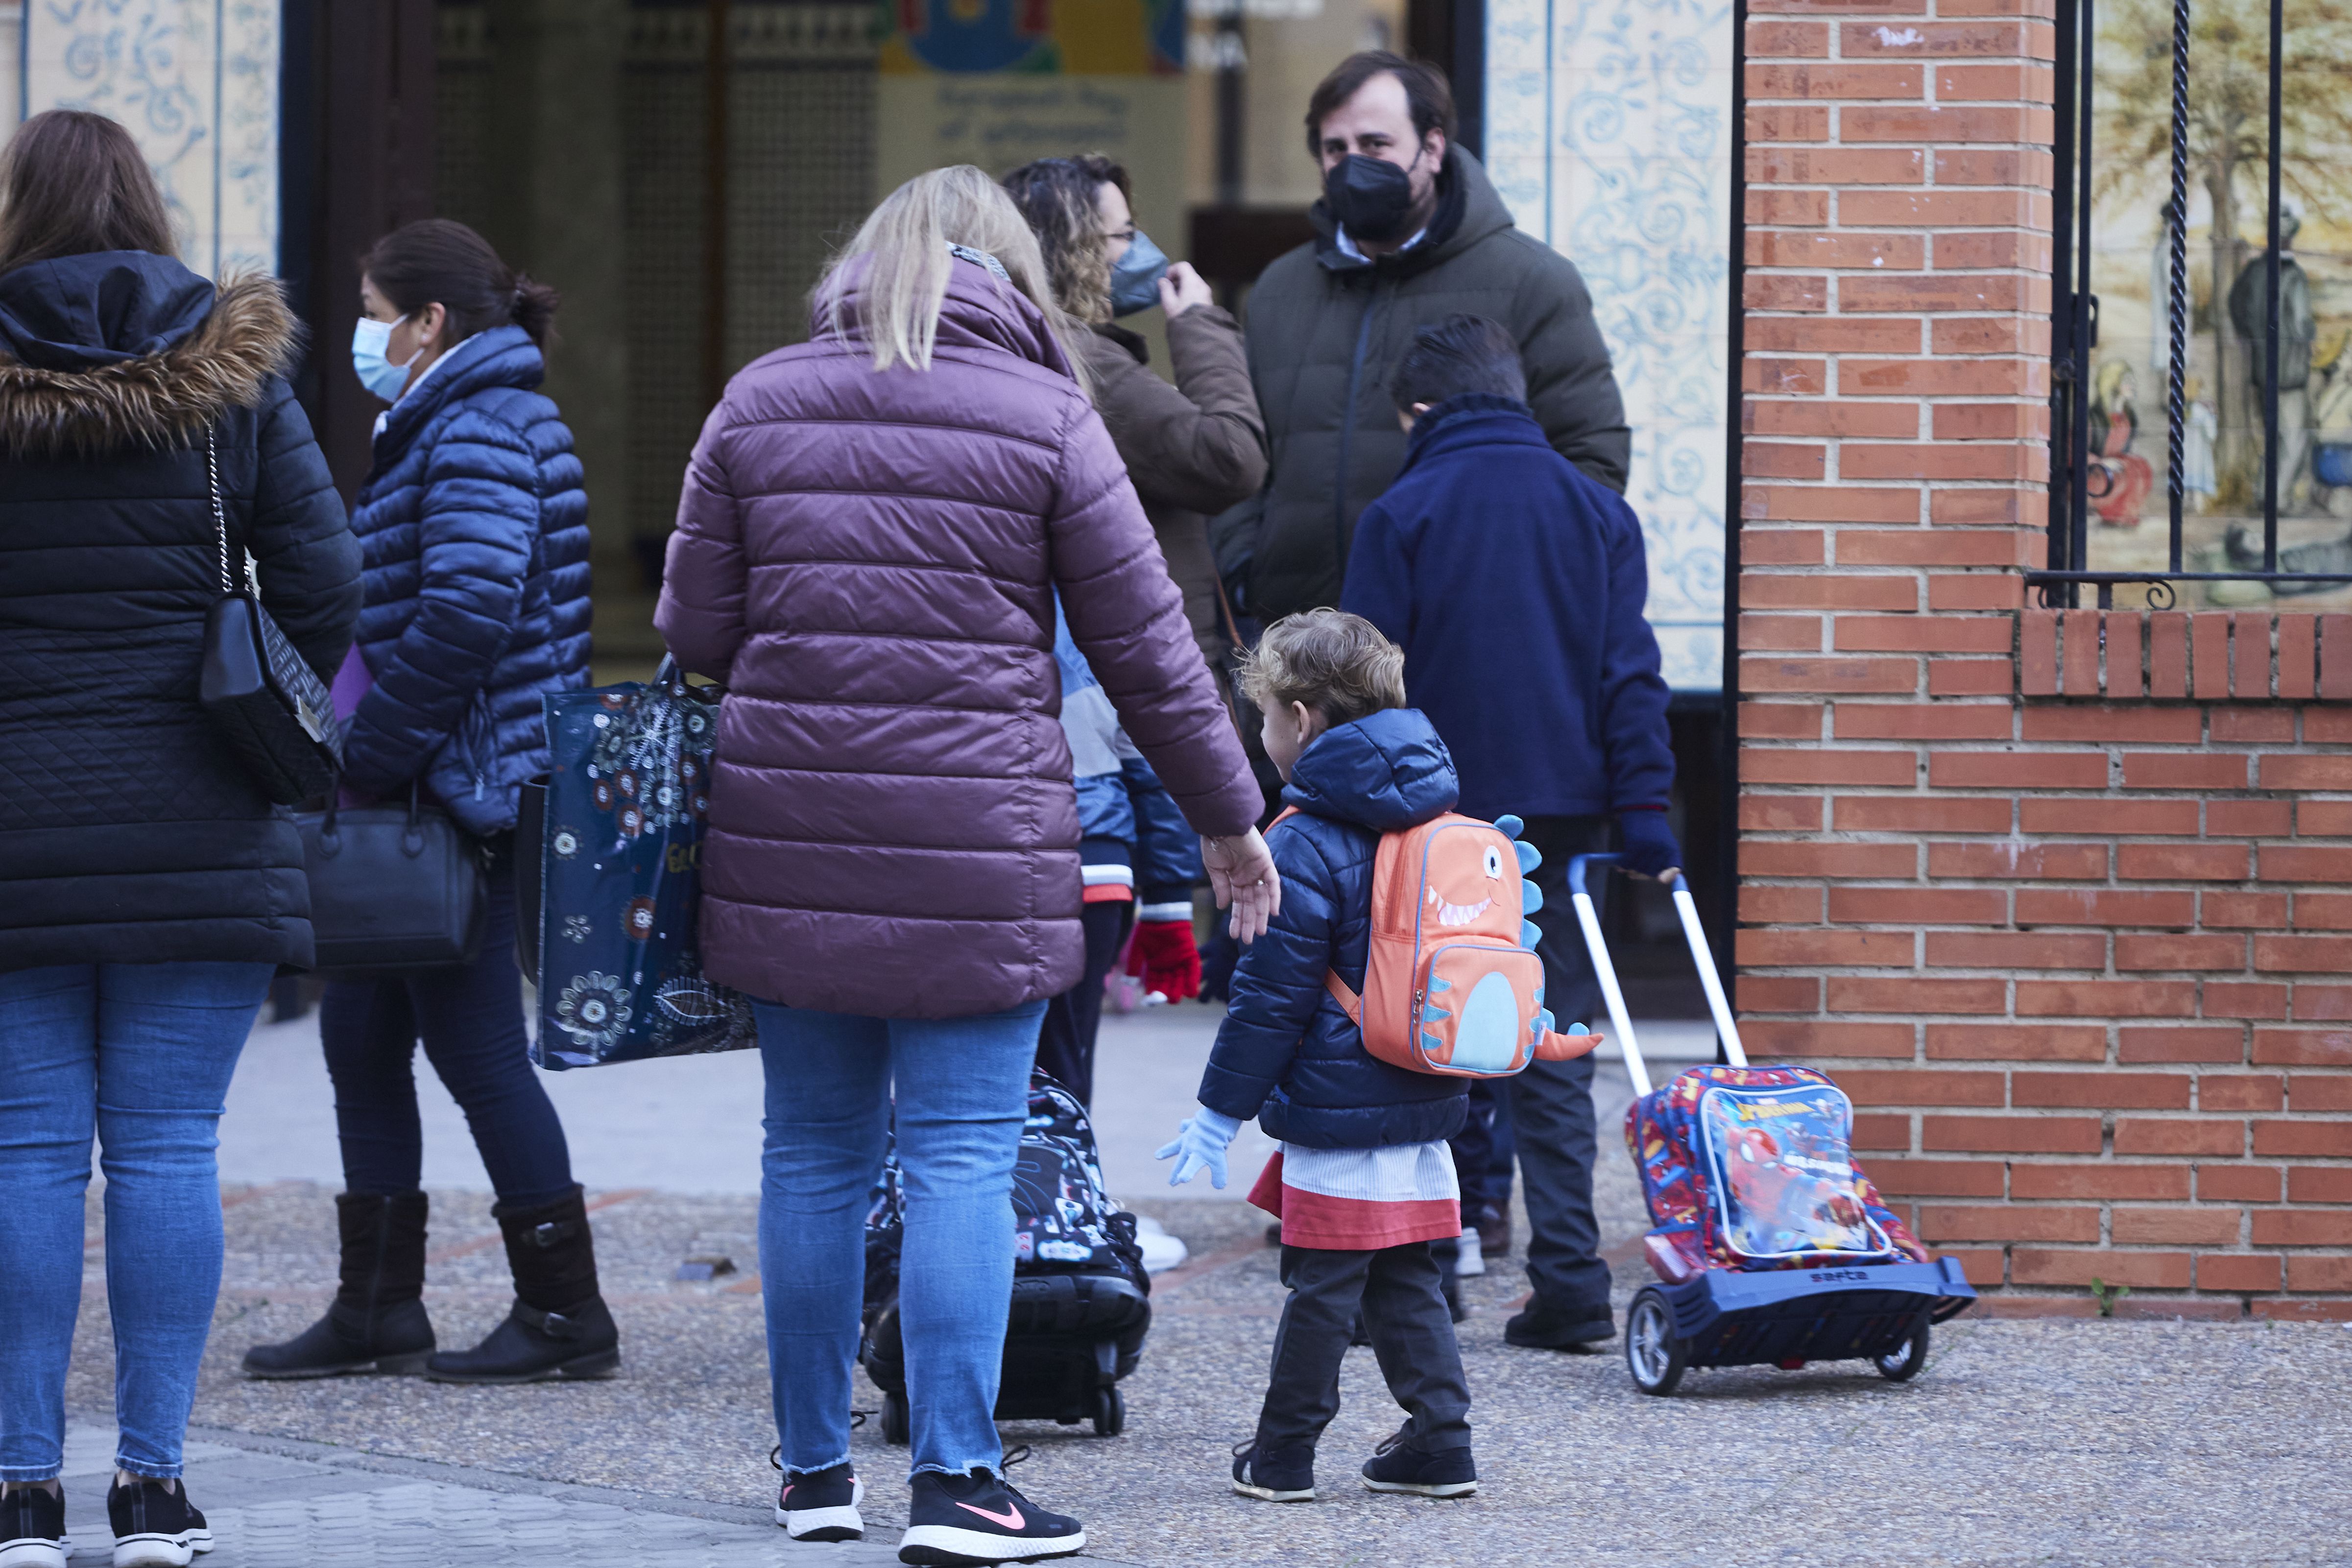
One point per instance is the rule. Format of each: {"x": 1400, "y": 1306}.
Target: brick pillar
{"x": 2048, "y": 894}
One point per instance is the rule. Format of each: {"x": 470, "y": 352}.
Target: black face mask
{"x": 1372, "y": 197}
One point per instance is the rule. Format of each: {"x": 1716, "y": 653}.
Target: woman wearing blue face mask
{"x": 475, "y": 529}
{"x": 1193, "y": 449}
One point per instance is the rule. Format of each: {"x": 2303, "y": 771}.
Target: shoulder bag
{"x": 262, "y": 698}
{"x": 393, "y": 887}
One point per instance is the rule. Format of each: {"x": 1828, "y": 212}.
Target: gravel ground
{"x": 2065, "y": 1442}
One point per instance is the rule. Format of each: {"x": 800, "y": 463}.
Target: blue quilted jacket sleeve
{"x": 479, "y": 519}
{"x": 305, "y": 557}
{"x": 1278, "y": 983}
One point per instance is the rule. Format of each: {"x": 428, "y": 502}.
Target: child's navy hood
{"x": 1386, "y": 772}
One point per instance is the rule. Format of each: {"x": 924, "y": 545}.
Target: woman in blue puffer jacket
{"x": 474, "y": 529}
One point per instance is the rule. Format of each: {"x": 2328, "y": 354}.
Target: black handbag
{"x": 393, "y": 887}
{"x": 266, "y": 702}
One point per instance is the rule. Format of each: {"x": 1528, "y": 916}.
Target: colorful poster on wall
{"x": 1609, "y": 135}
{"x": 196, "y": 81}
{"x": 2128, "y": 433}
{"x": 997, "y": 82}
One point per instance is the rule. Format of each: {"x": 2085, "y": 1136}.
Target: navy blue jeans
{"x": 1065, "y": 1040}
{"x": 1550, "y": 1104}
{"x": 139, "y": 1055}
{"x": 470, "y": 1018}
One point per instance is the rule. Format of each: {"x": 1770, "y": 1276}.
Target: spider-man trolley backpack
{"x": 1770, "y": 1246}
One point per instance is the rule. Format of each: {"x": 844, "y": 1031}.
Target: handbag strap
{"x": 220, "y": 512}
{"x": 335, "y": 805}
{"x": 1225, "y": 605}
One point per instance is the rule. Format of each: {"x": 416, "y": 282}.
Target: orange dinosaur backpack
{"x": 1448, "y": 987}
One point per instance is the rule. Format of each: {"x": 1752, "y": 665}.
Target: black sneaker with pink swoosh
{"x": 821, "y": 1505}
{"x": 978, "y": 1518}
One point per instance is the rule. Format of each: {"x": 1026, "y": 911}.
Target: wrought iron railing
{"x": 2076, "y": 456}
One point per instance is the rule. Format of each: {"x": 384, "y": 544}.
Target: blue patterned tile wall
{"x": 1609, "y": 133}
{"x": 196, "y": 82}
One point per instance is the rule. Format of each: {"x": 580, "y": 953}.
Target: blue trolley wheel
{"x": 1653, "y": 1353}
{"x": 1110, "y": 1412}
{"x": 1901, "y": 1364}
{"x": 896, "y": 1426}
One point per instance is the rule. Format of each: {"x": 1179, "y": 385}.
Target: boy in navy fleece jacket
{"x": 1515, "y": 586}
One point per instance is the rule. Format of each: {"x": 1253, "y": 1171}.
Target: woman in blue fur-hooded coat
{"x": 474, "y": 532}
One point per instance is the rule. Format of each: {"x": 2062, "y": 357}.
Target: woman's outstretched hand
{"x": 1241, "y": 875}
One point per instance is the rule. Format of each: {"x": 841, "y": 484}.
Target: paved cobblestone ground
{"x": 2091, "y": 1442}
{"x": 279, "y": 1504}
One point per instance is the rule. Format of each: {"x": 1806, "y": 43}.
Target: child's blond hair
{"x": 1336, "y": 663}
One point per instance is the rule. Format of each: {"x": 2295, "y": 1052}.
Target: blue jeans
{"x": 141, "y": 1054}
{"x": 962, "y": 1090}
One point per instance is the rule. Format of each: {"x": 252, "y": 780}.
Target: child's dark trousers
{"x": 1399, "y": 1291}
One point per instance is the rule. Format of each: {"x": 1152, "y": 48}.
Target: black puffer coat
{"x": 127, "y": 833}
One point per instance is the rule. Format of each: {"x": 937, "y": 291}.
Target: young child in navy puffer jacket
{"x": 1364, "y": 1182}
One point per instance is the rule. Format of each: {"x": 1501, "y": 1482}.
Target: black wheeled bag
{"x": 1081, "y": 1300}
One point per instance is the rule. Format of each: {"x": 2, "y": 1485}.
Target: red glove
{"x": 1163, "y": 954}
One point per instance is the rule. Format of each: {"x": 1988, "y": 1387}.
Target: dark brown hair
{"x": 72, "y": 183}
{"x": 439, "y": 261}
{"x": 1427, "y": 94}
{"x": 1057, "y": 195}
{"x": 1336, "y": 663}
{"x": 1460, "y": 353}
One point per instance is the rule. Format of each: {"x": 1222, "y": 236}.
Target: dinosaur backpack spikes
{"x": 1452, "y": 984}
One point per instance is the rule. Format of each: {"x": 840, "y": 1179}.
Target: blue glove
{"x": 1199, "y": 1146}
{"x": 1650, "y": 845}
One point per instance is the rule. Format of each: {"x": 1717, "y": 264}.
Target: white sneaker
{"x": 1469, "y": 1260}
{"x": 1162, "y": 1251}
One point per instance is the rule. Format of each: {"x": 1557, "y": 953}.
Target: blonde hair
{"x": 905, "y": 238}
{"x": 1336, "y": 663}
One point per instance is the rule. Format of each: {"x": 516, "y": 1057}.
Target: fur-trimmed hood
{"x": 120, "y": 349}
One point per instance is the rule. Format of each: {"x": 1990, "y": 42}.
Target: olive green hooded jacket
{"x": 1325, "y": 334}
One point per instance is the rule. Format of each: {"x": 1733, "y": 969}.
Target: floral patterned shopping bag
{"x": 620, "y": 963}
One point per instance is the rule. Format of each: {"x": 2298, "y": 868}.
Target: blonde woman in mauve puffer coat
{"x": 873, "y": 529}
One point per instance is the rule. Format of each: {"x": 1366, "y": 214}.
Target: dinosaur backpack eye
{"x": 1493, "y": 864}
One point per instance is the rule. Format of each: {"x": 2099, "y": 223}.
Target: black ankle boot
{"x": 558, "y": 1327}
{"x": 377, "y": 1321}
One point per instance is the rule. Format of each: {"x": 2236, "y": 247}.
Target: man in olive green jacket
{"x": 1410, "y": 231}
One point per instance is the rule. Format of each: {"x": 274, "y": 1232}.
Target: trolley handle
{"x": 1702, "y": 958}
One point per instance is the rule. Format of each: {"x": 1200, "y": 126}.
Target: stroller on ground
{"x": 1081, "y": 1299}
{"x": 1770, "y": 1246}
